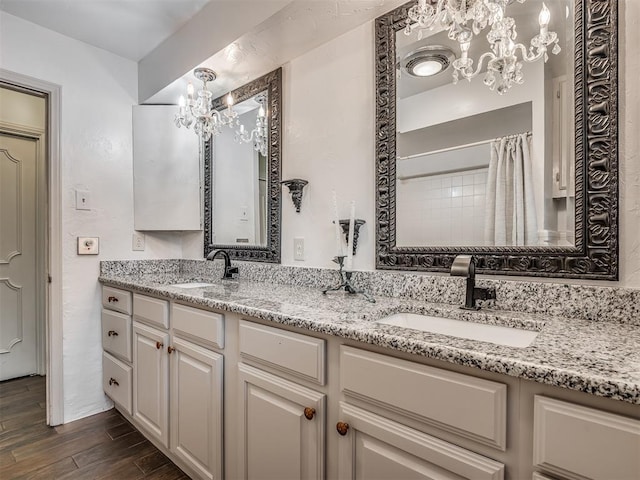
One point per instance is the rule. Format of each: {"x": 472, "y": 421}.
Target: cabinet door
{"x": 150, "y": 380}
{"x": 196, "y": 407}
{"x": 282, "y": 428}
{"x": 373, "y": 447}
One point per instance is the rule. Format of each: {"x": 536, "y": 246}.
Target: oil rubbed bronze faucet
{"x": 229, "y": 271}
{"x": 464, "y": 266}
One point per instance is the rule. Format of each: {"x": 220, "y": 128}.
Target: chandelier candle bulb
{"x": 352, "y": 220}
{"x": 543, "y": 19}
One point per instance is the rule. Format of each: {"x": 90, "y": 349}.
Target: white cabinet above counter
{"x": 304, "y": 363}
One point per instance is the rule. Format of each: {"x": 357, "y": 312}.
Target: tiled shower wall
{"x": 445, "y": 209}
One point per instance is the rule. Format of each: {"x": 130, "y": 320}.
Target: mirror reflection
{"x": 239, "y": 171}
{"x": 242, "y": 191}
{"x": 481, "y": 165}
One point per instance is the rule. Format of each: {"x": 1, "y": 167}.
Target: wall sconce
{"x": 296, "y": 187}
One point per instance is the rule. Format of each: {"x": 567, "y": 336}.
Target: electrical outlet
{"x": 298, "y": 249}
{"x": 88, "y": 245}
{"x": 138, "y": 241}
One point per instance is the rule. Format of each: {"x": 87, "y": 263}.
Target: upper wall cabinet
{"x": 166, "y": 172}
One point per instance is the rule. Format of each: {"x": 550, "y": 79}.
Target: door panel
{"x": 18, "y": 305}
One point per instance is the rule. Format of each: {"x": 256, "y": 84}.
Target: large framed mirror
{"x": 523, "y": 176}
{"x": 242, "y": 188}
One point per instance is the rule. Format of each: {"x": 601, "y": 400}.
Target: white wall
{"x": 98, "y": 90}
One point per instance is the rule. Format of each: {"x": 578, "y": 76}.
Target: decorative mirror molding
{"x": 595, "y": 254}
{"x": 272, "y": 84}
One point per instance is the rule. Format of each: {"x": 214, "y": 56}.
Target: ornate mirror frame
{"x": 272, "y": 84}
{"x": 595, "y": 254}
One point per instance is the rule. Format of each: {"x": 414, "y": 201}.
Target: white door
{"x": 18, "y": 305}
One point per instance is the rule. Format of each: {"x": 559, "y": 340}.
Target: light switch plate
{"x": 88, "y": 245}
{"x": 83, "y": 202}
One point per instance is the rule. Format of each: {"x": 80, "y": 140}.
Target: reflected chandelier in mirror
{"x": 588, "y": 246}
{"x": 242, "y": 191}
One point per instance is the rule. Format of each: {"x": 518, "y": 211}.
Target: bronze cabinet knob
{"x": 170, "y": 349}
{"x": 112, "y": 333}
{"x": 342, "y": 428}
{"x": 112, "y": 299}
{"x": 309, "y": 413}
{"x": 159, "y": 345}
{"x": 113, "y": 381}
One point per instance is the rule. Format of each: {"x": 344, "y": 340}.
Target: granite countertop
{"x": 598, "y": 357}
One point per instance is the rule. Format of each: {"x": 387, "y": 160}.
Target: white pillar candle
{"x": 337, "y": 228}
{"x": 352, "y": 220}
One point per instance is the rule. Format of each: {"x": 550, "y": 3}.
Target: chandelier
{"x": 197, "y": 111}
{"x": 463, "y": 19}
{"x": 259, "y": 134}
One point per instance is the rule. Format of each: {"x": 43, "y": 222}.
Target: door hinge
{"x": 49, "y": 278}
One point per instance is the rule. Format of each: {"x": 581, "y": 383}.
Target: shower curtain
{"x": 510, "y": 217}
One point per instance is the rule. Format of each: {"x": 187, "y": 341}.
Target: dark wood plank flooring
{"x": 103, "y": 446}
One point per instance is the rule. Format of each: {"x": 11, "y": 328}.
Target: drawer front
{"x": 116, "y": 381}
{"x": 116, "y": 299}
{"x": 432, "y": 395}
{"x": 292, "y": 353}
{"x": 201, "y": 324}
{"x": 581, "y": 442}
{"x": 116, "y": 334}
{"x": 151, "y": 310}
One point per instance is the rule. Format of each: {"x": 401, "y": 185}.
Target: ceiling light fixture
{"x": 427, "y": 61}
{"x": 465, "y": 18}
{"x": 197, "y": 111}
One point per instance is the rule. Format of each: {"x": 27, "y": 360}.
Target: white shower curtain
{"x": 510, "y": 217}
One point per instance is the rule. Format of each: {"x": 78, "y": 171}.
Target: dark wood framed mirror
{"x": 242, "y": 191}
{"x": 592, "y": 249}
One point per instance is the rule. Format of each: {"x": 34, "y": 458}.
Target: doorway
{"x": 30, "y": 229}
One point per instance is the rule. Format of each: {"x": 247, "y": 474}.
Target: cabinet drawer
{"x": 292, "y": 353}
{"x": 432, "y": 395}
{"x": 116, "y": 299}
{"x": 201, "y": 324}
{"x": 116, "y": 334}
{"x": 580, "y": 442}
{"x": 151, "y": 310}
{"x": 116, "y": 381}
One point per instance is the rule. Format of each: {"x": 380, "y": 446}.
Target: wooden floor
{"x": 98, "y": 447}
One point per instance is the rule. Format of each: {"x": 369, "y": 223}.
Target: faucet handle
{"x": 230, "y": 272}
{"x": 463, "y": 266}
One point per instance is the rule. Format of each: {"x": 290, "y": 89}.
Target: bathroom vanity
{"x": 244, "y": 379}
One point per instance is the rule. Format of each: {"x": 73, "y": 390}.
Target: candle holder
{"x": 296, "y": 187}
{"x": 345, "y": 282}
{"x": 356, "y": 230}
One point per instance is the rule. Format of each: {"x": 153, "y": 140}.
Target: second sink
{"x": 507, "y": 336}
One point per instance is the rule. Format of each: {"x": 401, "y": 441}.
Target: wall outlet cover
{"x": 298, "y": 249}
{"x": 88, "y": 245}
{"x": 138, "y": 242}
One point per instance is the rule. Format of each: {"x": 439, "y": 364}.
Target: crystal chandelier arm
{"x": 528, "y": 55}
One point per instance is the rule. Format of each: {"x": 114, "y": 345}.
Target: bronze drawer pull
{"x": 309, "y": 413}
{"x": 113, "y": 381}
{"x": 170, "y": 349}
{"x": 112, "y": 299}
{"x": 159, "y": 345}
{"x": 342, "y": 428}
{"x": 112, "y": 333}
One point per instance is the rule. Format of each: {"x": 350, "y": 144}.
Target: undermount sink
{"x": 192, "y": 285}
{"x": 507, "y": 336}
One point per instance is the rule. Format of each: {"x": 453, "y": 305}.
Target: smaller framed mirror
{"x": 242, "y": 191}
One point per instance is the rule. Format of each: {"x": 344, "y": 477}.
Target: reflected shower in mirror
{"x": 518, "y": 170}
{"x": 242, "y": 174}
{"x": 475, "y": 167}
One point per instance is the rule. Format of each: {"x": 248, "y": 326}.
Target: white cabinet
{"x": 576, "y": 442}
{"x": 166, "y": 171}
{"x": 151, "y": 381}
{"x": 116, "y": 343}
{"x": 374, "y": 447}
{"x": 282, "y": 428}
{"x": 196, "y": 407}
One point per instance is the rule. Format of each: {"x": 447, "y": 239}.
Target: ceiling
{"x": 129, "y": 28}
